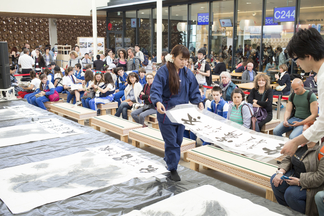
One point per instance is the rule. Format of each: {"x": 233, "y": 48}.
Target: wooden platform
{"x": 153, "y": 137}
{"x": 238, "y": 166}
{"x": 63, "y": 96}
{"x": 112, "y": 106}
{"x": 49, "y": 104}
{"x": 152, "y": 119}
{"x": 114, "y": 124}
{"x": 73, "y": 111}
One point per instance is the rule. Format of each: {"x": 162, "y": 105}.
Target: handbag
{"x": 89, "y": 94}
{"x": 280, "y": 88}
{"x": 53, "y": 97}
{"x": 260, "y": 112}
{"x": 254, "y": 121}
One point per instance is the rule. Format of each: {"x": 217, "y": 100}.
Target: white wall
{"x": 55, "y": 7}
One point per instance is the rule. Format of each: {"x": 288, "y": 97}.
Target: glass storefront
{"x": 223, "y": 32}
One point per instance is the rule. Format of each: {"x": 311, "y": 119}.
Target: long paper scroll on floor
{"x": 25, "y": 187}
{"x": 226, "y": 134}
{"x": 36, "y": 130}
{"x": 205, "y": 200}
{"x": 18, "y": 112}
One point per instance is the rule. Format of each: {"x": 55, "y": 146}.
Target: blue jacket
{"x": 142, "y": 81}
{"x": 221, "y": 109}
{"x": 121, "y": 86}
{"x": 160, "y": 91}
{"x": 78, "y": 75}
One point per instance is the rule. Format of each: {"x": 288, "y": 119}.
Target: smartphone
{"x": 284, "y": 177}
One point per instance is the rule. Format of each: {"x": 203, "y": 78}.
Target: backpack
{"x": 292, "y": 101}
{"x": 145, "y": 62}
{"x": 254, "y": 121}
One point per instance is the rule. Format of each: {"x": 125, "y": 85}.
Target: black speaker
{"x": 4, "y": 66}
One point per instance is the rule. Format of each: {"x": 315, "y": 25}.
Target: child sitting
{"x": 120, "y": 84}
{"x": 58, "y": 79}
{"x": 218, "y": 106}
{"x": 142, "y": 78}
{"x": 79, "y": 74}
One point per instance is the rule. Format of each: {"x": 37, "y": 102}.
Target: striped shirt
{"x": 236, "y": 115}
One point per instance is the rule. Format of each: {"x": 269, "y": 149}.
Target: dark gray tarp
{"x": 113, "y": 200}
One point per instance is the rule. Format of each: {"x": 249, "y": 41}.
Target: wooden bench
{"x": 153, "y": 137}
{"x": 73, "y": 111}
{"x": 49, "y": 104}
{"x": 238, "y": 166}
{"x": 63, "y": 96}
{"x": 270, "y": 126}
{"x": 114, "y": 124}
{"x": 112, "y": 106}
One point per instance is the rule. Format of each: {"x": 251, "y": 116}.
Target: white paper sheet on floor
{"x": 204, "y": 200}
{"x": 34, "y": 131}
{"x": 17, "y": 112}
{"x": 226, "y": 134}
{"x": 28, "y": 186}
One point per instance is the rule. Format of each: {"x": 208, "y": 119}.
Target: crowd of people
{"x": 182, "y": 79}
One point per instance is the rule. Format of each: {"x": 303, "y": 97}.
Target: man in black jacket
{"x": 98, "y": 64}
{"x": 220, "y": 66}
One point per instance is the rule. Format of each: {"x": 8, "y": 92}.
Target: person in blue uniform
{"x": 79, "y": 74}
{"x": 120, "y": 84}
{"x": 174, "y": 84}
{"x": 46, "y": 88}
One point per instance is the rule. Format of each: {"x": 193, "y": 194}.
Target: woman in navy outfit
{"x": 174, "y": 84}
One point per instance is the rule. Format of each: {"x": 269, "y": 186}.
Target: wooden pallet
{"x": 114, "y": 124}
{"x": 63, "y": 96}
{"x": 153, "y": 138}
{"x": 238, "y": 166}
{"x": 49, "y": 104}
{"x": 73, "y": 111}
{"x": 152, "y": 119}
{"x": 112, "y": 106}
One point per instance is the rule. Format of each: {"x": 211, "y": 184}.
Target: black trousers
{"x": 266, "y": 120}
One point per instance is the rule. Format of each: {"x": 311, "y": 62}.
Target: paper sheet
{"x": 35, "y": 131}
{"x": 17, "y": 112}
{"x": 28, "y": 186}
{"x": 226, "y": 134}
{"x": 204, "y": 201}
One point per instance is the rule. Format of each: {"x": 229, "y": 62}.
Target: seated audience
{"x": 46, "y": 88}
{"x": 249, "y": 74}
{"x": 58, "y": 79}
{"x": 240, "y": 111}
{"x": 33, "y": 86}
{"x": 132, "y": 93}
{"x": 301, "y": 109}
{"x": 39, "y": 61}
{"x": 105, "y": 92}
{"x": 73, "y": 59}
{"x": 241, "y": 67}
{"x": 311, "y": 82}
{"x": 110, "y": 69}
{"x": 283, "y": 80}
{"x": 226, "y": 85}
{"x": 87, "y": 86}
{"x": 121, "y": 83}
{"x": 13, "y": 80}
{"x": 218, "y": 106}
{"x": 271, "y": 65}
{"x": 139, "y": 114}
{"x": 142, "y": 78}
{"x": 261, "y": 97}
{"x": 220, "y": 66}
{"x": 69, "y": 80}
{"x": 79, "y": 74}
{"x": 98, "y": 64}
{"x": 306, "y": 177}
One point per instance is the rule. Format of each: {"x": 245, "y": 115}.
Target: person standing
{"x": 139, "y": 53}
{"x": 26, "y": 62}
{"x": 133, "y": 62}
{"x": 202, "y": 69}
{"x": 306, "y": 48}
{"x": 174, "y": 84}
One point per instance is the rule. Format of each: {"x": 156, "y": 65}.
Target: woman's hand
{"x": 160, "y": 108}
{"x": 276, "y": 76}
{"x": 95, "y": 86}
{"x": 277, "y": 180}
{"x": 130, "y": 103}
{"x": 42, "y": 93}
{"x": 142, "y": 93}
{"x": 201, "y": 105}
{"x": 292, "y": 181}
{"x": 255, "y": 104}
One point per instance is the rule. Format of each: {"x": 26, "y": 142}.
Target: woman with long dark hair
{"x": 121, "y": 61}
{"x": 174, "y": 84}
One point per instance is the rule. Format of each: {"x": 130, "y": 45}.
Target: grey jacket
{"x": 130, "y": 64}
{"x": 313, "y": 179}
{"x": 282, "y": 59}
{"x": 246, "y": 113}
{"x": 246, "y": 76}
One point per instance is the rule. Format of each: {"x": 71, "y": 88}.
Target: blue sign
{"x": 284, "y": 14}
{"x": 269, "y": 21}
{"x": 203, "y": 19}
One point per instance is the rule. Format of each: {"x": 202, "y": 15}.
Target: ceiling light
{"x": 248, "y": 2}
{"x": 202, "y": 7}
{"x": 142, "y": 13}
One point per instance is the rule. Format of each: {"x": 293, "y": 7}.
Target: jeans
{"x": 319, "y": 198}
{"x": 119, "y": 95}
{"x": 123, "y": 109}
{"x": 290, "y": 196}
{"x": 85, "y": 102}
{"x": 39, "y": 102}
{"x": 296, "y": 131}
{"x": 139, "y": 115}
{"x": 70, "y": 97}
{"x": 29, "y": 96}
